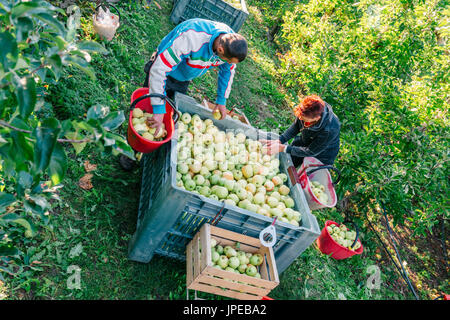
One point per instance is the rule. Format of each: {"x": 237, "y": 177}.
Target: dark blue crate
{"x": 170, "y": 216}
{"x": 216, "y": 10}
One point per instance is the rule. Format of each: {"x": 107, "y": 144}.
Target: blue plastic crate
{"x": 170, "y": 216}
{"x": 216, "y": 10}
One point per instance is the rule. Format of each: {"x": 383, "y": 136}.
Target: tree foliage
{"x": 384, "y": 66}
{"x": 37, "y": 41}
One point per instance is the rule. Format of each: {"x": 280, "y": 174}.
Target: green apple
{"x": 247, "y": 171}
{"x": 289, "y": 202}
{"x": 259, "y": 198}
{"x": 258, "y": 180}
{"x": 205, "y": 191}
{"x": 214, "y": 197}
{"x": 256, "y": 259}
{"x": 199, "y": 179}
{"x": 276, "y": 195}
{"x": 269, "y": 185}
{"x": 214, "y": 179}
{"x": 233, "y": 262}
{"x": 252, "y": 207}
{"x": 219, "y": 249}
{"x": 182, "y": 168}
{"x": 186, "y": 118}
{"x": 288, "y": 213}
{"x": 283, "y": 177}
{"x": 272, "y": 201}
{"x": 277, "y": 180}
{"x": 250, "y": 188}
{"x": 229, "y": 184}
{"x": 137, "y": 113}
{"x": 284, "y": 190}
{"x": 215, "y": 256}
{"x": 221, "y": 192}
{"x": 244, "y": 203}
{"x": 217, "y": 115}
{"x": 251, "y": 270}
{"x": 189, "y": 184}
{"x": 223, "y": 261}
{"x": 241, "y": 193}
{"x": 230, "y": 202}
{"x": 242, "y": 268}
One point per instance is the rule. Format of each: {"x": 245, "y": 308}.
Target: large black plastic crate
{"x": 170, "y": 216}
{"x": 216, "y": 10}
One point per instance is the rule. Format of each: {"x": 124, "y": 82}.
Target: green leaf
{"x": 108, "y": 140}
{"x": 113, "y": 120}
{"x": 30, "y": 230}
{"x": 56, "y": 65}
{"x": 91, "y": 46}
{"x": 60, "y": 42}
{"x": 26, "y": 96}
{"x": 51, "y": 21}
{"x": 40, "y": 202}
{"x": 8, "y": 251}
{"x": 46, "y": 136}
{"x": 2, "y": 140}
{"x": 25, "y": 181}
{"x": 97, "y": 111}
{"x": 123, "y": 147}
{"x": 20, "y": 123}
{"x": 80, "y": 64}
{"x": 9, "y": 51}
{"x": 58, "y": 165}
{"x": 26, "y": 8}
{"x": 23, "y": 25}
{"x": 76, "y": 136}
{"x": 6, "y": 5}
{"x": 6, "y": 199}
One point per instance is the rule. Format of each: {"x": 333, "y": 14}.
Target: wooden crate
{"x": 202, "y": 276}
{"x": 231, "y": 113}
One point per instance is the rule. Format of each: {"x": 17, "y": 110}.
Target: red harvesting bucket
{"x": 141, "y": 99}
{"x": 328, "y": 246}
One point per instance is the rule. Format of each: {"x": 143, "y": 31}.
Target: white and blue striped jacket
{"x": 187, "y": 53}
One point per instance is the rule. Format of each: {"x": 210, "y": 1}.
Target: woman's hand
{"x": 272, "y": 147}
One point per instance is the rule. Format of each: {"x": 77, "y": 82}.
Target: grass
{"x": 91, "y": 228}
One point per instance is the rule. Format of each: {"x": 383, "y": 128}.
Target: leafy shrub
{"x": 36, "y": 47}
{"x": 383, "y": 66}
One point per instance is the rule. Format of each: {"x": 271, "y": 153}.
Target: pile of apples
{"x": 229, "y": 167}
{"x": 139, "y": 121}
{"x": 230, "y": 258}
{"x": 319, "y": 191}
{"x": 343, "y": 236}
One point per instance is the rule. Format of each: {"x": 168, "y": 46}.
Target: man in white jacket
{"x": 187, "y": 52}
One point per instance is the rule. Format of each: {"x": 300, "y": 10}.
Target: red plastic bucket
{"x": 306, "y": 175}
{"x": 141, "y": 99}
{"x": 328, "y": 246}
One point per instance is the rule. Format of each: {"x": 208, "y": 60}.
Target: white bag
{"x": 105, "y": 23}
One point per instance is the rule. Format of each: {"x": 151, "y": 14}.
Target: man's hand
{"x": 272, "y": 147}
{"x": 156, "y": 122}
{"x": 222, "y": 109}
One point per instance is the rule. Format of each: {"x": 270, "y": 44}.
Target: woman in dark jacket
{"x": 319, "y": 130}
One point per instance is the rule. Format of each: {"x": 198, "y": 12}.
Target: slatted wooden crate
{"x": 202, "y": 276}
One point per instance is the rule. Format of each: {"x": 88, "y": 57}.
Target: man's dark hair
{"x": 235, "y": 46}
